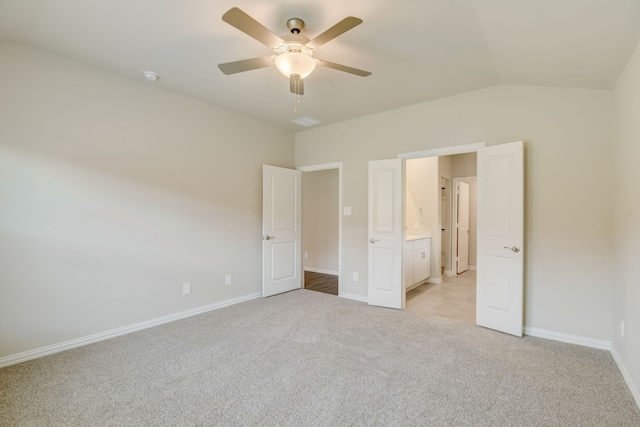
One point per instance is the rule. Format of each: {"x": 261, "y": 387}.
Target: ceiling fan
{"x": 293, "y": 53}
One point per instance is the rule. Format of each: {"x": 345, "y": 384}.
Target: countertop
{"x": 412, "y": 237}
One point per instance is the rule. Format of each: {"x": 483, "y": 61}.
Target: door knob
{"x": 373, "y": 240}
{"x": 513, "y": 248}
{"x": 269, "y": 237}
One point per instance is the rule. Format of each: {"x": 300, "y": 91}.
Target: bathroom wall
{"x": 422, "y": 205}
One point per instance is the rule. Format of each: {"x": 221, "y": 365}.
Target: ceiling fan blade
{"x": 296, "y": 85}
{"x": 344, "y": 68}
{"x": 341, "y": 27}
{"x": 245, "y": 65}
{"x": 237, "y": 18}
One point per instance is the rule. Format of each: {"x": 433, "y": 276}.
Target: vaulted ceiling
{"x": 417, "y": 50}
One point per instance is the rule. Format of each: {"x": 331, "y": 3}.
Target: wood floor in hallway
{"x": 320, "y": 282}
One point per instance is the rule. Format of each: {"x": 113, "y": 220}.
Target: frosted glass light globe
{"x": 289, "y": 63}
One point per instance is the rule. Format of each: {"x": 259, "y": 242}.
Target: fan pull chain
{"x": 297, "y": 96}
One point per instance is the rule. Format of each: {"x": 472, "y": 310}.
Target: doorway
{"x": 451, "y": 291}
{"x": 322, "y": 227}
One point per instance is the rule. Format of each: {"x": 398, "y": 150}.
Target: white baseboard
{"x": 101, "y": 336}
{"x": 473, "y": 267}
{"x": 321, "y": 270}
{"x": 568, "y": 338}
{"x": 434, "y": 280}
{"x": 633, "y": 388}
{"x": 449, "y": 273}
{"x": 353, "y": 297}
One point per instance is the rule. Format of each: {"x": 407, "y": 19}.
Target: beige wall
{"x": 567, "y": 133}
{"x": 320, "y": 220}
{"x": 422, "y": 204}
{"x": 626, "y": 272}
{"x": 464, "y": 165}
{"x": 113, "y": 193}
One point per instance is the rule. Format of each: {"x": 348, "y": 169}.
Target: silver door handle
{"x": 513, "y": 248}
{"x": 373, "y": 240}
{"x": 269, "y": 237}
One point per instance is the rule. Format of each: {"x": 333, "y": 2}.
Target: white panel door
{"x": 385, "y": 234}
{"x": 463, "y": 227}
{"x": 281, "y": 230}
{"x": 500, "y": 238}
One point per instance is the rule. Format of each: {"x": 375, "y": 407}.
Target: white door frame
{"x": 444, "y": 151}
{"x": 322, "y": 167}
{"x": 454, "y": 220}
{"x": 445, "y": 222}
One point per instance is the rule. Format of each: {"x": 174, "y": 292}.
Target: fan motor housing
{"x": 295, "y": 25}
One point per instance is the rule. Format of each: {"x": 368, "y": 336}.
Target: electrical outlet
{"x": 186, "y": 288}
{"x": 228, "y": 280}
{"x": 622, "y": 328}
{"x": 355, "y": 276}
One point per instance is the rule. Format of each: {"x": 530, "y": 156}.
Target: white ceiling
{"x": 417, "y": 50}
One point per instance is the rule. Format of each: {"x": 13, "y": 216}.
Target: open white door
{"x": 281, "y": 230}
{"x": 462, "y": 263}
{"x": 385, "y": 234}
{"x": 499, "y": 303}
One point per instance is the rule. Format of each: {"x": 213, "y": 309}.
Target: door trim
{"x": 444, "y": 151}
{"x": 454, "y": 211}
{"x": 322, "y": 167}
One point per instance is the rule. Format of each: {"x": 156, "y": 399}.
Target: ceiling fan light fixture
{"x": 289, "y": 63}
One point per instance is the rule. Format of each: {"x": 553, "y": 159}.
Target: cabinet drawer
{"x": 408, "y": 247}
{"x": 421, "y": 244}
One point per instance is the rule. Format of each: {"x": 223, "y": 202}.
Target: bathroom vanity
{"x": 416, "y": 260}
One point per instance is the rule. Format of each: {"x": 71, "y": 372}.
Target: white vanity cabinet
{"x": 417, "y": 261}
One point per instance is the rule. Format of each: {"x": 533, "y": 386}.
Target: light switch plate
{"x": 347, "y": 211}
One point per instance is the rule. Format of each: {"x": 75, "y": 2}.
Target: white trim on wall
{"x": 635, "y": 391}
{"x": 443, "y": 151}
{"x": 327, "y": 166}
{"x": 101, "y": 336}
{"x": 568, "y": 338}
{"x": 353, "y": 297}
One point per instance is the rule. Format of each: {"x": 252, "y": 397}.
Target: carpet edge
{"x": 14, "y": 359}
{"x": 626, "y": 375}
{"x": 568, "y": 338}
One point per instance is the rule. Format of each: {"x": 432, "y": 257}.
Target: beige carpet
{"x": 306, "y": 359}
